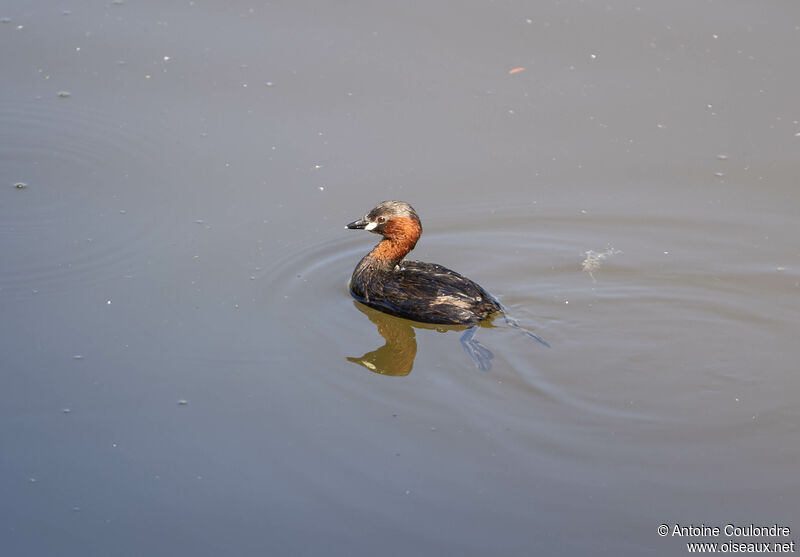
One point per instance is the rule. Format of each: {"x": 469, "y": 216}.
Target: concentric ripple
{"x": 71, "y": 224}
{"x": 657, "y": 296}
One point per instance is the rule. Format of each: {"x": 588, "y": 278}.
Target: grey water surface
{"x": 183, "y": 372}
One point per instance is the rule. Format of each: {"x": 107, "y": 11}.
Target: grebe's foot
{"x": 481, "y": 356}
{"x": 526, "y": 332}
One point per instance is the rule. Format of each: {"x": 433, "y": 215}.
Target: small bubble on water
{"x": 183, "y": 402}
{"x": 76, "y": 509}
{"x": 66, "y": 410}
{"x": 20, "y": 185}
{"x": 32, "y": 480}
{"x": 123, "y": 212}
{"x": 64, "y": 94}
{"x": 719, "y": 174}
{"x": 77, "y": 357}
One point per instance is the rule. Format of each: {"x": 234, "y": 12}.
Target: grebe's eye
{"x": 381, "y": 220}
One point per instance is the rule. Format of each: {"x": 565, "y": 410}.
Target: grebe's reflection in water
{"x": 396, "y": 356}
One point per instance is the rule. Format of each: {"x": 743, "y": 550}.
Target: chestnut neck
{"x": 400, "y": 235}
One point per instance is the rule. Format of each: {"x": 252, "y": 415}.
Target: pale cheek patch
{"x": 371, "y": 226}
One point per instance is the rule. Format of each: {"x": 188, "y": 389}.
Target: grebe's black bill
{"x": 361, "y": 224}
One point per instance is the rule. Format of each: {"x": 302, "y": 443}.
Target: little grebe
{"x": 419, "y": 291}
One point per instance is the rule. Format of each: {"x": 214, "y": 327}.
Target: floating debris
{"x": 722, "y": 157}
{"x": 66, "y": 411}
{"x": 20, "y": 185}
{"x": 77, "y": 357}
{"x": 516, "y": 70}
{"x": 183, "y": 402}
{"x": 595, "y": 259}
{"x": 64, "y": 94}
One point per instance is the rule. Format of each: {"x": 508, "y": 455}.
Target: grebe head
{"x": 390, "y": 219}
{"x": 400, "y": 227}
